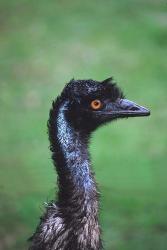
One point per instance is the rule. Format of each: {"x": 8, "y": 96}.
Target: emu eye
{"x": 96, "y": 104}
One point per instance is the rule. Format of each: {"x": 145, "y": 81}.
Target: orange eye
{"x": 96, "y": 104}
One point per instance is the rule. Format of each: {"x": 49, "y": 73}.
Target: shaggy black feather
{"x": 71, "y": 223}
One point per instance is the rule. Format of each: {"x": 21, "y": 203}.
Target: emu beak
{"x": 126, "y": 108}
{"x": 123, "y": 108}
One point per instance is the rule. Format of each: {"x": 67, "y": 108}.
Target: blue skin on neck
{"x": 74, "y": 151}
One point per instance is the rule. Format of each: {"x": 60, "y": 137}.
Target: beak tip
{"x": 146, "y": 112}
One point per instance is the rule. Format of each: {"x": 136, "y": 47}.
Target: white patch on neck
{"x": 68, "y": 139}
{"x": 65, "y": 131}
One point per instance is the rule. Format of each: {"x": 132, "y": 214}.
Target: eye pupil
{"x": 96, "y": 104}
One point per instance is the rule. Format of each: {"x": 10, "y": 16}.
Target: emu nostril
{"x": 134, "y": 108}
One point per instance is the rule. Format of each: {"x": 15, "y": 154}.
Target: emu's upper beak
{"x": 126, "y": 108}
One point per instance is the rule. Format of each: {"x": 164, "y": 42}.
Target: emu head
{"x": 91, "y": 104}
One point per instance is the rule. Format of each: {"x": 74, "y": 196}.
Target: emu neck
{"x": 76, "y": 182}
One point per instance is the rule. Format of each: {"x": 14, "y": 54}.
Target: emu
{"x": 71, "y": 222}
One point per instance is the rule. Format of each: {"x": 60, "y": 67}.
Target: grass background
{"x": 43, "y": 44}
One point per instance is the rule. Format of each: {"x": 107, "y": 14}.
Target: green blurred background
{"x": 43, "y": 44}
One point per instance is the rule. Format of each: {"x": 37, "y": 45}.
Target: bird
{"x": 70, "y": 222}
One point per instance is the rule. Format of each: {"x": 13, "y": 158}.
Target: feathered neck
{"x": 71, "y": 158}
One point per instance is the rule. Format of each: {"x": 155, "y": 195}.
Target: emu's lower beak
{"x": 126, "y": 108}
